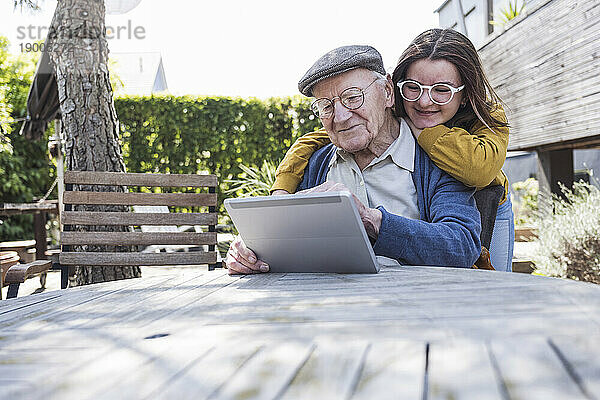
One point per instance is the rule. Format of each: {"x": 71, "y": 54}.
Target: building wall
{"x": 544, "y": 64}
{"x": 545, "y": 67}
{"x": 476, "y": 18}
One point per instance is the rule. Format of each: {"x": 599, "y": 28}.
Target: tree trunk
{"x": 79, "y": 52}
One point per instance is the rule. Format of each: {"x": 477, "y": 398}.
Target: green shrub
{"x": 254, "y": 181}
{"x": 189, "y": 135}
{"x": 25, "y": 169}
{"x": 525, "y": 202}
{"x": 569, "y": 240}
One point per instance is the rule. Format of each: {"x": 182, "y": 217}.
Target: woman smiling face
{"x": 424, "y": 113}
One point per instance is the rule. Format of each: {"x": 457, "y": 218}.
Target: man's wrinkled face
{"x": 354, "y": 130}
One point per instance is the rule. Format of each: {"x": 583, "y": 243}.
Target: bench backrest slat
{"x": 138, "y": 179}
{"x": 137, "y": 219}
{"x": 141, "y": 199}
{"x": 137, "y": 238}
{"x": 105, "y": 259}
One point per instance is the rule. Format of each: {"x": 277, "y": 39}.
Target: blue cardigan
{"x": 447, "y": 233}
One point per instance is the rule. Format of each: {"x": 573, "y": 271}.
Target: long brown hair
{"x": 452, "y": 46}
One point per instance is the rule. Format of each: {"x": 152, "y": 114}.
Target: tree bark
{"x": 79, "y": 52}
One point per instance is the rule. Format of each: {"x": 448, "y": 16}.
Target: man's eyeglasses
{"x": 440, "y": 93}
{"x": 351, "y": 98}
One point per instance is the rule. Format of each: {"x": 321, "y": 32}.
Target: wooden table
{"x": 405, "y": 333}
{"x": 39, "y": 211}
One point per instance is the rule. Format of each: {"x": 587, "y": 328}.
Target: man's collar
{"x": 402, "y": 150}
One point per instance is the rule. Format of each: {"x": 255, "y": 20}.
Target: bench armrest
{"x": 20, "y": 272}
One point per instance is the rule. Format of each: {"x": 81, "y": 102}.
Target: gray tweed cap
{"x": 338, "y": 61}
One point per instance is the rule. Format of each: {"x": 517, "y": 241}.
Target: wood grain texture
{"x": 200, "y": 334}
{"x": 530, "y": 369}
{"x": 137, "y": 219}
{"x": 461, "y": 370}
{"x": 208, "y": 374}
{"x": 545, "y": 68}
{"x": 120, "y": 302}
{"x": 267, "y": 374}
{"x": 141, "y": 199}
{"x": 139, "y": 179}
{"x": 28, "y": 208}
{"x": 20, "y": 272}
{"x": 169, "y": 356}
{"x": 91, "y": 258}
{"x": 393, "y": 369}
{"x": 580, "y": 354}
{"x": 39, "y": 312}
{"x": 141, "y": 238}
{"x": 330, "y": 372}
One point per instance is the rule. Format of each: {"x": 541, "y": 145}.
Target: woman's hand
{"x": 242, "y": 260}
{"x": 415, "y": 131}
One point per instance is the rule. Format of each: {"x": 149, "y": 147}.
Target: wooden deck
{"x": 405, "y": 333}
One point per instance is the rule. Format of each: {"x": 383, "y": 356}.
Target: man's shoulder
{"x": 322, "y": 155}
{"x": 316, "y": 170}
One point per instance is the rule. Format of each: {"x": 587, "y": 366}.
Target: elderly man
{"x": 413, "y": 212}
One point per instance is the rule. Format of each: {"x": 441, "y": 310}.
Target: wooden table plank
{"x": 120, "y": 303}
{"x": 268, "y": 373}
{"x": 69, "y": 304}
{"x": 28, "y": 208}
{"x": 66, "y": 356}
{"x": 393, "y": 369}
{"x": 530, "y": 369}
{"x": 168, "y": 357}
{"x": 161, "y": 301}
{"x": 208, "y": 374}
{"x": 461, "y": 370}
{"x": 582, "y": 354}
{"x": 159, "y": 317}
{"x": 331, "y": 371}
{"x": 91, "y": 377}
{"x": 194, "y": 305}
{"x": 33, "y": 303}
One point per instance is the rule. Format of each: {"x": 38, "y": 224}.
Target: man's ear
{"x": 389, "y": 90}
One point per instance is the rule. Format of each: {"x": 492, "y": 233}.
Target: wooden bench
{"x": 88, "y": 228}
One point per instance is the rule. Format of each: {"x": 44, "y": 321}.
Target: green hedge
{"x": 190, "y": 135}
{"x": 25, "y": 170}
{"x": 168, "y": 134}
{"x": 26, "y": 174}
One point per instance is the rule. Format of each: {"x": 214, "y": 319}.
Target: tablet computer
{"x": 316, "y": 232}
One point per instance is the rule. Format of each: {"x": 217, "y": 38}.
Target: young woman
{"x": 456, "y": 117}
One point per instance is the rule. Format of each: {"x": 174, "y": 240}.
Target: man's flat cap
{"x": 338, "y": 61}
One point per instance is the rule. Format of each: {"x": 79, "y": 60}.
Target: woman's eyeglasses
{"x": 440, "y": 93}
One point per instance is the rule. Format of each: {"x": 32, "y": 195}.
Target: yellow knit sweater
{"x": 474, "y": 158}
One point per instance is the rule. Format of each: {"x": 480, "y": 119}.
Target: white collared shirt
{"x": 386, "y": 181}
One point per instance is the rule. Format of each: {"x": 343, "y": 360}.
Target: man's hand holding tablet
{"x": 241, "y": 260}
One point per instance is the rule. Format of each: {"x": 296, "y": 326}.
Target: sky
{"x": 244, "y": 48}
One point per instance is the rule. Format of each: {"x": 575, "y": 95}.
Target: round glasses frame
{"x": 327, "y": 114}
{"x": 452, "y": 89}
